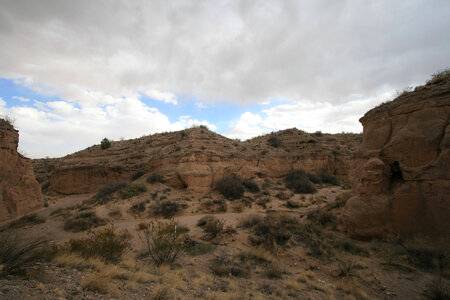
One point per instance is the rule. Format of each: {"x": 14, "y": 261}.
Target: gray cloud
{"x": 241, "y": 51}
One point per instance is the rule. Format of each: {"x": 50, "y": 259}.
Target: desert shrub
{"x": 231, "y": 187}
{"x": 292, "y": 204}
{"x": 318, "y": 133}
{"x": 139, "y": 207}
{"x": 211, "y": 225}
{"x": 162, "y": 242}
{"x": 262, "y": 201}
{"x": 251, "y": 186}
{"x": 282, "y": 195}
{"x": 195, "y": 248}
{"x": 314, "y": 178}
{"x": 439, "y": 76}
{"x": 16, "y": 255}
{"x": 223, "y": 265}
{"x": 322, "y": 217}
{"x": 105, "y": 143}
{"x": 328, "y": 178}
{"x": 83, "y": 221}
{"x": 438, "y": 289}
{"x": 274, "y": 141}
{"x": 132, "y": 190}
{"x": 154, "y": 178}
{"x": 166, "y": 208}
{"x": 276, "y": 229}
{"x": 115, "y": 213}
{"x": 104, "y": 194}
{"x": 27, "y": 220}
{"x": 273, "y": 271}
{"x": 298, "y": 181}
{"x": 213, "y": 205}
{"x": 250, "y": 221}
{"x": 106, "y": 244}
{"x": 137, "y": 175}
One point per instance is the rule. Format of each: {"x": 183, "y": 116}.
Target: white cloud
{"x": 2, "y": 103}
{"x": 306, "y": 115}
{"x": 161, "y": 96}
{"x": 21, "y": 99}
{"x": 187, "y": 122}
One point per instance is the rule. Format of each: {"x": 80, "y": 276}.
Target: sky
{"x": 74, "y": 72}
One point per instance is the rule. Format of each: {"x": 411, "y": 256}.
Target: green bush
{"x": 105, "y": 143}
{"x": 162, "y": 242}
{"x": 27, "y": 220}
{"x": 231, "y": 187}
{"x": 154, "y": 178}
{"x": 132, "y": 190}
{"x": 106, "y": 244}
{"x": 298, "y": 181}
{"x": 83, "y": 221}
{"x": 104, "y": 194}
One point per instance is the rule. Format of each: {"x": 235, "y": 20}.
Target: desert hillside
{"x": 288, "y": 215}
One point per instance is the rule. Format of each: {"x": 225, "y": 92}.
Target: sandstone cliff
{"x": 20, "y": 193}
{"x": 401, "y": 179}
{"x": 195, "y": 158}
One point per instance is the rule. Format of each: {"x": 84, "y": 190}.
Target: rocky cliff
{"x": 401, "y": 176}
{"x": 20, "y": 193}
{"x": 195, "y": 158}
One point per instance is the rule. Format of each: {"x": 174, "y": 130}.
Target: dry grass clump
{"x": 213, "y": 205}
{"x": 106, "y": 244}
{"x": 224, "y": 265}
{"x": 27, "y": 220}
{"x": 17, "y": 255}
{"x": 212, "y": 226}
{"x": 231, "y": 187}
{"x": 83, "y": 221}
{"x": 163, "y": 243}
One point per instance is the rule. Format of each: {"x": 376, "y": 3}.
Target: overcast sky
{"x": 73, "y": 72}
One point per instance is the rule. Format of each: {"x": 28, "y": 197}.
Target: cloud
{"x": 2, "y": 103}
{"x": 161, "y": 96}
{"x": 307, "y": 115}
{"x": 245, "y": 52}
{"x": 21, "y": 99}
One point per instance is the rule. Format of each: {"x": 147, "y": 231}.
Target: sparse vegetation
{"x": 83, "y": 221}
{"x": 104, "y": 194}
{"x": 17, "y": 255}
{"x": 106, "y": 244}
{"x": 223, "y": 265}
{"x": 105, "y": 143}
{"x": 231, "y": 187}
{"x": 137, "y": 175}
{"x": 166, "y": 208}
{"x": 251, "y": 186}
{"x": 132, "y": 190}
{"x": 162, "y": 242}
{"x": 274, "y": 141}
{"x": 299, "y": 182}
{"x": 154, "y": 178}
{"x": 211, "y": 225}
{"x": 27, "y": 220}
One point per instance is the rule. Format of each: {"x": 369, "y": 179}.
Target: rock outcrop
{"x": 195, "y": 158}
{"x": 20, "y": 193}
{"x": 401, "y": 179}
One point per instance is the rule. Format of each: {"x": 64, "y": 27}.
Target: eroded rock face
{"x": 195, "y": 158}
{"x": 20, "y": 193}
{"x": 401, "y": 179}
